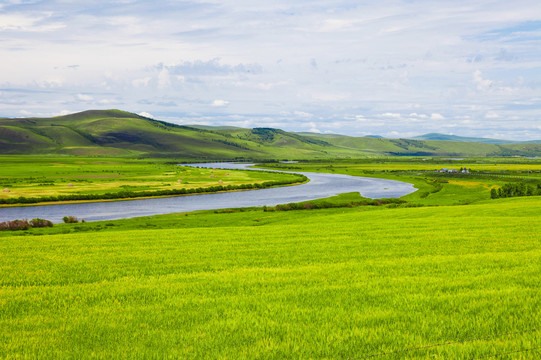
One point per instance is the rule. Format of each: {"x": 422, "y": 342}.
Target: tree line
{"x": 515, "y": 189}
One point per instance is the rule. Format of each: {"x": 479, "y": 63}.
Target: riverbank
{"x": 319, "y": 186}
{"x": 37, "y": 180}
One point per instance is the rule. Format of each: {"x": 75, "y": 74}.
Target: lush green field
{"x": 41, "y": 177}
{"x": 392, "y": 281}
{"x": 334, "y": 283}
{"x": 434, "y": 188}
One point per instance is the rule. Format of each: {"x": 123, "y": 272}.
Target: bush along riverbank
{"x": 339, "y": 201}
{"x": 25, "y": 224}
{"x": 126, "y": 194}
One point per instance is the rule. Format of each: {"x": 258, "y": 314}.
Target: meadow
{"x": 421, "y": 278}
{"x": 434, "y": 188}
{"x": 45, "y": 177}
{"x": 432, "y": 282}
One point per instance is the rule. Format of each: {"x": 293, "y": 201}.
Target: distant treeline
{"x": 512, "y": 190}
{"x": 127, "y": 194}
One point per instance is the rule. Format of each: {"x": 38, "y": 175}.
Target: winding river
{"x": 320, "y": 186}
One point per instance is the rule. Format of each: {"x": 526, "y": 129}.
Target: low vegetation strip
{"x": 330, "y": 283}
{"x": 338, "y": 201}
{"x": 126, "y": 194}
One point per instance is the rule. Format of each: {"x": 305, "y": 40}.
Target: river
{"x": 320, "y": 186}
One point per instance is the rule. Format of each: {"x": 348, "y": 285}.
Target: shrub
{"x": 37, "y": 222}
{"x": 15, "y": 225}
{"x": 70, "y": 219}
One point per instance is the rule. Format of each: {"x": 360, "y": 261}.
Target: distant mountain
{"x": 444, "y": 137}
{"x": 120, "y": 133}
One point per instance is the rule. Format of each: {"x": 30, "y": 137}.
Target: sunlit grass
{"x": 34, "y": 176}
{"x": 433, "y": 187}
{"x": 335, "y": 283}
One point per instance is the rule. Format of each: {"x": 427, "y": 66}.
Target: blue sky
{"x": 393, "y": 68}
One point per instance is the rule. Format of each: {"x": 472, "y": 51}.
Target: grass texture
{"x": 319, "y": 284}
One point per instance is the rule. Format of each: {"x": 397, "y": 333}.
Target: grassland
{"x": 120, "y": 133}
{"x": 334, "y": 283}
{"x": 434, "y": 188}
{"x": 392, "y": 281}
{"x": 43, "y": 177}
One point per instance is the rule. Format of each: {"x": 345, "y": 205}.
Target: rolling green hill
{"x": 445, "y": 137}
{"x": 120, "y": 133}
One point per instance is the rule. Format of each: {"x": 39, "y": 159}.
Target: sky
{"x": 353, "y": 67}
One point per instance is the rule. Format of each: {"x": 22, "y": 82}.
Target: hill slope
{"x": 445, "y": 137}
{"x": 120, "y": 133}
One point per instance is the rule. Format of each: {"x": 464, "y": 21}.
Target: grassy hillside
{"x": 116, "y": 132}
{"x": 119, "y": 133}
{"x": 433, "y": 282}
{"x": 445, "y": 137}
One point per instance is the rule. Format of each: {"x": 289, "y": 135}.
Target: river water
{"x": 319, "y": 186}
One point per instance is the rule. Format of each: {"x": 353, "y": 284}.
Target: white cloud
{"x": 62, "y": 113}
{"x": 141, "y": 82}
{"x": 405, "y": 66}
{"x": 271, "y": 85}
{"x": 482, "y": 84}
{"x": 164, "y": 81}
{"x": 108, "y": 102}
{"x": 313, "y": 128}
{"x": 50, "y": 82}
{"x": 219, "y": 103}
{"x": 361, "y": 118}
{"x": 330, "y": 25}
{"x": 27, "y": 23}
{"x": 303, "y": 115}
{"x": 145, "y": 114}
{"x": 84, "y": 97}
{"x": 330, "y": 96}
{"x": 391, "y": 115}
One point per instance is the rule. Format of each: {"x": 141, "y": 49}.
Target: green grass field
{"x": 335, "y": 283}
{"x": 384, "y": 282}
{"x": 46, "y": 176}
{"x": 433, "y": 188}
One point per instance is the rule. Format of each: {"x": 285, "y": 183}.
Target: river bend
{"x": 321, "y": 185}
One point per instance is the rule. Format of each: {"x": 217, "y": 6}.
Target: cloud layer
{"x": 394, "y": 68}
